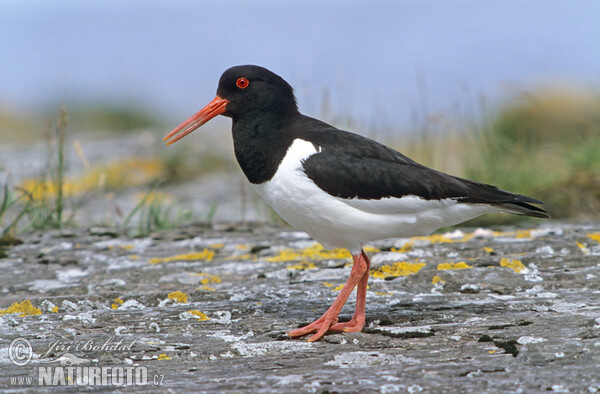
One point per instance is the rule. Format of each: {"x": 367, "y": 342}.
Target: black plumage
{"x": 351, "y": 166}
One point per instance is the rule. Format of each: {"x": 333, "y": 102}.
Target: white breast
{"x": 350, "y": 223}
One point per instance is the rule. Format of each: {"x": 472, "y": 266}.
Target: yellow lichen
{"x": 24, "y": 308}
{"x": 208, "y": 288}
{"x": 453, "y": 266}
{"x": 178, "y": 297}
{"x": 118, "y": 302}
{"x": 399, "y": 268}
{"x": 436, "y": 279}
{"x": 201, "y": 316}
{"x": 163, "y": 356}
{"x": 523, "y": 234}
{"x": 594, "y": 236}
{"x": 488, "y": 249}
{"x": 407, "y": 247}
{"x": 216, "y": 245}
{"x": 584, "y": 249}
{"x": 371, "y": 249}
{"x": 314, "y": 252}
{"x": 383, "y": 293}
{"x": 206, "y": 254}
{"x": 515, "y": 264}
{"x": 304, "y": 265}
{"x": 517, "y": 234}
{"x": 331, "y": 286}
{"x": 208, "y": 278}
{"x": 54, "y": 310}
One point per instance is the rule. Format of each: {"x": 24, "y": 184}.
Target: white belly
{"x": 338, "y": 222}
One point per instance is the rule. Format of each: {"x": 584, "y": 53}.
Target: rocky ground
{"x": 206, "y": 308}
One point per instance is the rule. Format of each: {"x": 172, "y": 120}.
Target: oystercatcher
{"x": 343, "y": 189}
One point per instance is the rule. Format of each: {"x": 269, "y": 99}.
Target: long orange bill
{"x": 214, "y": 108}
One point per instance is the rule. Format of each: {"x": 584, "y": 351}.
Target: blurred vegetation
{"x": 14, "y": 125}
{"x": 52, "y": 198}
{"x": 156, "y": 211}
{"x": 46, "y": 208}
{"x": 185, "y": 163}
{"x": 543, "y": 144}
{"x": 84, "y": 116}
{"x": 17, "y": 128}
{"x": 112, "y": 117}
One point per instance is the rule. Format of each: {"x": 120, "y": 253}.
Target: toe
{"x": 314, "y": 326}
{"x": 354, "y": 325}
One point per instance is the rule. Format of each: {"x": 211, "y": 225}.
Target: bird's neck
{"x": 260, "y": 143}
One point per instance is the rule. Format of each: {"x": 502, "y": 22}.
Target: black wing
{"x": 351, "y": 166}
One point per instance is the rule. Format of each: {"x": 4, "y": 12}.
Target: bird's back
{"x": 346, "y": 190}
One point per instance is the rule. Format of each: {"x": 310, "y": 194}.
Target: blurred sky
{"x": 382, "y": 61}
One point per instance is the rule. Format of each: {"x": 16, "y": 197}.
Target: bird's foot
{"x": 321, "y": 326}
{"x": 326, "y": 324}
{"x": 329, "y": 321}
{"x": 355, "y": 324}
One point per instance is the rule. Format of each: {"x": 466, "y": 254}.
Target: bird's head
{"x": 242, "y": 91}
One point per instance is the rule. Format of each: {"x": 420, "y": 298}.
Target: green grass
{"x": 8, "y": 201}
{"x": 48, "y": 210}
{"x": 545, "y": 145}
{"x": 154, "y": 214}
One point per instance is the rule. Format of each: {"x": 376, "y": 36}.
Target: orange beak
{"x": 214, "y": 108}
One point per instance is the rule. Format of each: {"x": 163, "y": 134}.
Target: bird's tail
{"x": 524, "y": 208}
{"x": 480, "y": 193}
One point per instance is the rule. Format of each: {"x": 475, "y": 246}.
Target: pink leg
{"x": 359, "y": 275}
{"x": 358, "y": 319}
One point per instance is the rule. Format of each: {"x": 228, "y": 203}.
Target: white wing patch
{"x": 405, "y": 204}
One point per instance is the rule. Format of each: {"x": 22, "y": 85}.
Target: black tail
{"x": 523, "y": 208}
{"x": 480, "y": 193}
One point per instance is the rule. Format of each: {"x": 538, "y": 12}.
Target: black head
{"x": 244, "y": 91}
{"x": 251, "y": 89}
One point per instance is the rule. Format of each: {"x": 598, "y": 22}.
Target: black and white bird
{"x": 343, "y": 189}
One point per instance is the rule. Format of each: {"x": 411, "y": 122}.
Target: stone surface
{"x": 206, "y": 308}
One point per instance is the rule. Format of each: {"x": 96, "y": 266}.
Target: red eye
{"x": 242, "y": 83}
